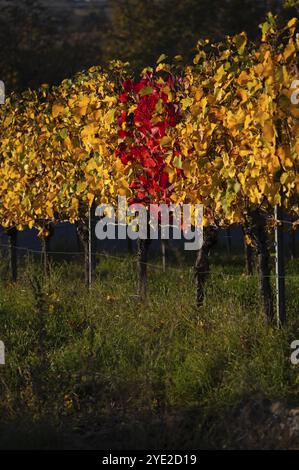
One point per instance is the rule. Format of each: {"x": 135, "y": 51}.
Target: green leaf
{"x": 271, "y": 19}
{"x": 177, "y": 162}
{"x": 186, "y": 103}
{"x": 161, "y": 58}
{"x": 63, "y": 133}
{"x": 146, "y": 91}
{"x": 159, "y": 107}
{"x": 81, "y": 186}
{"x": 265, "y": 28}
{"x": 240, "y": 41}
{"x": 109, "y": 116}
{"x": 237, "y": 187}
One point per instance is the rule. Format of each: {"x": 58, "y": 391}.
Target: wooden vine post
{"x": 258, "y": 231}
{"x": 279, "y": 250}
{"x": 202, "y": 264}
{"x": 12, "y": 234}
{"x": 249, "y": 255}
{"x": 91, "y": 245}
{"x": 143, "y": 245}
{"x": 87, "y": 237}
{"x": 279, "y": 265}
{"x": 82, "y": 231}
{"x": 45, "y": 243}
{"x": 249, "y": 259}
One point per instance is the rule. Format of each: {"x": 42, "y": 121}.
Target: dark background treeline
{"x": 44, "y": 41}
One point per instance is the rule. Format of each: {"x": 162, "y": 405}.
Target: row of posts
{"x": 90, "y": 257}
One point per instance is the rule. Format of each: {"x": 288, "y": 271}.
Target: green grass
{"x": 105, "y": 370}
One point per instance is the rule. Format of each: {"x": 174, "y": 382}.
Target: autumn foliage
{"x": 222, "y": 132}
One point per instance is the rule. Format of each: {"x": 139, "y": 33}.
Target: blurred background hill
{"x": 43, "y": 41}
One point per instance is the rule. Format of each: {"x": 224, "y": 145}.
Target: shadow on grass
{"x": 175, "y": 429}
